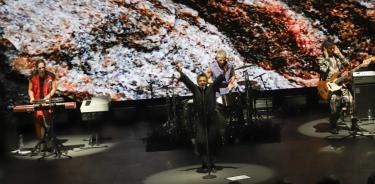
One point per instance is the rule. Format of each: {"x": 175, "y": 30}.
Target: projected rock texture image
{"x": 123, "y": 48}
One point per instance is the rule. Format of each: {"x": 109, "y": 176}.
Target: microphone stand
{"x": 249, "y": 103}
{"x": 205, "y": 123}
{"x": 174, "y": 120}
{"x": 151, "y": 89}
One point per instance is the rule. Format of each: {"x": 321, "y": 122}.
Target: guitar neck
{"x": 356, "y": 68}
{"x": 365, "y": 62}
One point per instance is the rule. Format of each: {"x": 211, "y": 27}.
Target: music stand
{"x": 93, "y": 110}
{"x": 95, "y": 138}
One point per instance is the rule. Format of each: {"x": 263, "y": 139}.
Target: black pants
{"x": 215, "y": 132}
{"x": 337, "y": 101}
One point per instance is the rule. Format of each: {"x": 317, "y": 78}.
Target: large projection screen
{"x": 123, "y": 48}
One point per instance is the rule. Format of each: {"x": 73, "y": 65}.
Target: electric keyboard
{"x": 43, "y": 106}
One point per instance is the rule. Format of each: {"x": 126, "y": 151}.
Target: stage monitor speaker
{"x": 364, "y": 100}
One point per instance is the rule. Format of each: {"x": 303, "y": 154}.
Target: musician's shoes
{"x": 213, "y": 168}
{"x": 203, "y": 169}
{"x": 24, "y": 152}
{"x": 20, "y": 152}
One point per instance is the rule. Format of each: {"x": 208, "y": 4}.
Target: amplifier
{"x": 364, "y": 77}
{"x": 364, "y": 99}
{"x": 364, "y": 74}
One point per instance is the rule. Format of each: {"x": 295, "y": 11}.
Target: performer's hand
{"x": 231, "y": 83}
{"x": 230, "y": 86}
{"x": 47, "y": 98}
{"x": 346, "y": 75}
{"x": 32, "y": 100}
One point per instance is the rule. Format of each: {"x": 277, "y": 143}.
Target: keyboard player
{"x": 42, "y": 86}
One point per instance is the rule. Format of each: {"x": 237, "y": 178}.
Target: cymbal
{"x": 251, "y": 82}
{"x": 242, "y": 67}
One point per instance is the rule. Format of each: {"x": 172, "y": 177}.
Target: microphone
{"x": 203, "y": 87}
{"x": 259, "y": 75}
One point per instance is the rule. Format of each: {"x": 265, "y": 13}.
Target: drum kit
{"x": 237, "y": 106}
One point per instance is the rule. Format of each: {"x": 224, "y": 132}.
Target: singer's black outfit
{"x": 207, "y": 114}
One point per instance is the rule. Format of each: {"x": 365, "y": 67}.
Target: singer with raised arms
{"x": 42, "y": 86}
{"x": 208, "y": 122}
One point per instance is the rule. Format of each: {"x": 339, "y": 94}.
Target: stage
{"x": 109, "y": 83}
{"x": 301, "y": 154}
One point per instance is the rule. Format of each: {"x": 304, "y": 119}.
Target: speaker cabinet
{"x": 364, "y": 99}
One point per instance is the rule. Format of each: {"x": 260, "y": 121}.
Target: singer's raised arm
{"x": 189, "y": 84}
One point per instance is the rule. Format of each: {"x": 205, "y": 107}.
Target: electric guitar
{"x": 335, "y": 82}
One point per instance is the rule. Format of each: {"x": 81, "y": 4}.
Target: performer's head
{"x": 41, "y": 67}
{"x": 202, "y": 80}
{"x": 328, "y": 47}
{"x": 221, "y": 58}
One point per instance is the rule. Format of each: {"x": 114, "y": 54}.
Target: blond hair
{"x": 221, "y": 53}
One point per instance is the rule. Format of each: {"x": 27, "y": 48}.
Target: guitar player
{"x": 331, "y": 63}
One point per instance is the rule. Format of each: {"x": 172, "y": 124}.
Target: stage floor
{"x": 303, "y": 154}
